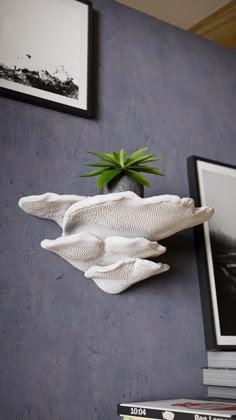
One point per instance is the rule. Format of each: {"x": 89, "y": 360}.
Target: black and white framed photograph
{"x": 214, "y": 184}
{"x": 45, "y": 53}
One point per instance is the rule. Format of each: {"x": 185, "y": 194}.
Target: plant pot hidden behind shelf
{"x": 123, "y": 183}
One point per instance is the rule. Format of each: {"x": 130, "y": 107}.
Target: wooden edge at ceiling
{"x": 219, "y": 27}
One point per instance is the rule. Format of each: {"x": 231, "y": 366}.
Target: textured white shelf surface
{"x": 109, "y": 236}
{"x": 117, "y": 277}
{"x": 84, "y": 250}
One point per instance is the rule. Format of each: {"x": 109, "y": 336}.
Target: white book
{"x": 219, "y": 377}
{"x": 222, "y": 392}
{"x": 221, "y": 359}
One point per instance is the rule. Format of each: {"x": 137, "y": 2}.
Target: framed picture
{"x": 45, "y": 53}
{"x": 214, "y": 184}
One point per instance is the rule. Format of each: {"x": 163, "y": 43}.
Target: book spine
{"x": 219, "y": 377}
{"x": 222, "y": 392}
{"x": 149, "y": 413}
{"x": 220, "y": 359}
{"x": 221, "y": 364}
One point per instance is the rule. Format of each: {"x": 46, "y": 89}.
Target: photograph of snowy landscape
{"x": 47, "y": 60}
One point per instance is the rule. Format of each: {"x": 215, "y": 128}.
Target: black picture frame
{"x": 207, "y": 178}
{"x": 51, "y": 101}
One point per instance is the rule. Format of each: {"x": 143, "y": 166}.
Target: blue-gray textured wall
{"x": 69, "y": 351}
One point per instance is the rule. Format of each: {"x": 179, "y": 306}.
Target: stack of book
{"x": 220, "y": 377}
{"x": 178, "y": 410}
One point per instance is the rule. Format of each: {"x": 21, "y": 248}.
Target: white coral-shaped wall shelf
{"x": 110, "y": 236}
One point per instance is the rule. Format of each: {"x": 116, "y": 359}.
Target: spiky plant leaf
{"x": 138, "y": 160}
{"x": 148, "y": 169}
{"x": 101, "y": 164}
{"x": 117, "y": 157}
{"x": 106, "y": 177}
{"x": 138, "y": 153}
{"x": 151, "y": 160}
{"x": 141, "y": 179}
{"x": 122, "y": 157}
{"x": 105, "y": 156}
{"x": 94, "y": 173}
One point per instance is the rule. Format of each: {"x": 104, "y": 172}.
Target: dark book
{"x": 179, "y": 410}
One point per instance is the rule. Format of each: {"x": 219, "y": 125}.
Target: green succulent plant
{"x": 118, "y": 163}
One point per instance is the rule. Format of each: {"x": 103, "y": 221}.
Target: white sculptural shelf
{"x": 110, "y": 236}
